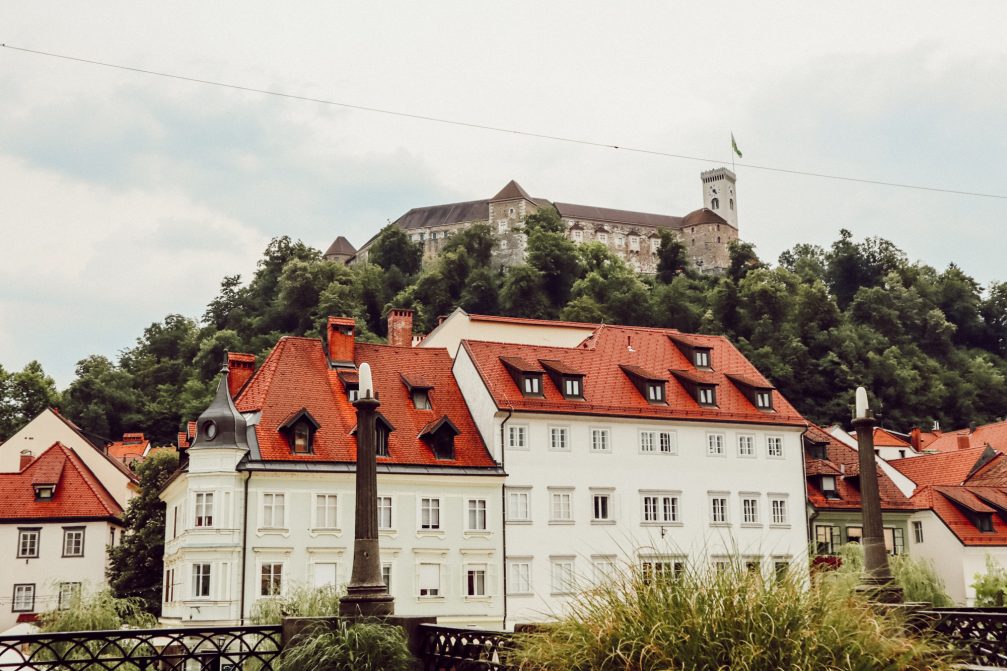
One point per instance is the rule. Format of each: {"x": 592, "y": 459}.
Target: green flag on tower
{"x": 734, "y": 146}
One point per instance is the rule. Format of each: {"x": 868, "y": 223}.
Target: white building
{"x": 265, "y": 499}
{"x": 57, "y": 521}
{"x": 634, "y": 444}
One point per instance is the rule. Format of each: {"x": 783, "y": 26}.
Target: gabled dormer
{"x": 696, "y": 350}
{"x": 651, "y": 386}
{"x": 382, "y": 430}
{"x": 527, "y": 376}
{"x": 440, "y": 436}
{"x": 701, "y": 386}
{"x": 567, "y": 379}
{"x": 816, "y": 449}
{"x": 977, "y": 512}
{"x": 351, "y": 384}
{"x": 299, "y": 429}
{"x": 419, "y": 390}
{"x": 758, "y": 392}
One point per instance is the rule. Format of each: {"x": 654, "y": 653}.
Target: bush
{"x": 363, "y": 646}
{"x": 991, "y": 586}
{"x": 299, "y": 601}
{"x": 729, "y": 620}
{"x": 917, "y": 577}
{"x": 98, "y": 611}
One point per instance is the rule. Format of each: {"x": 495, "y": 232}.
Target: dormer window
{"x": 757, "y": 391}
{"x": 568, "y": 379}
{"x": 381, "y": 441}
{"x": 353, "y": 393}
{"x": 571, "y": 387}
{"x": 532, "y": 385}
{"x": 818, "y": 450}
{"x": 701, "y": 358}
{"x": 706, "y": 395}
{"x": 650, "y": 385}
{"x": 302, "y": 438}
{"x": 655, "y": 392}
{"x": 694, "y": 348}
{"x": 44, "y": 492}
{"x": 421, "y": 400}
{"x": 764, "y": 399}
{"x": 440, "y": 436}
{"x": 527, "y": 376}
{"x": 300, "y": 428}
{"x": 984, "y": 522}
{"x": 419, "y": 390}
{"x": 828, "y": 486}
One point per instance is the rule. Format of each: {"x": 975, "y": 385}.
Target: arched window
{"x": 731, "y": 203}
{"x": 715, "y": 203}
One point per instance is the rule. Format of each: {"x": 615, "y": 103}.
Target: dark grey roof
{"x": 340, "y": 246}
{"x": 442, "y": 215}
{"x": 511, "y": 191}
{"x": 591, "y": 213}
{"x": 229, "y": 424}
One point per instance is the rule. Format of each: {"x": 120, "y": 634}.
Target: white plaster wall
{"x": 458, "y": 326}
{"x": 39, "y": 435}
{"x": 481, "y": 405}
{"x": 51, "y": 567}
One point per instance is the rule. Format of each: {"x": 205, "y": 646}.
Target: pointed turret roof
{"x": 340, "y": 246}
{"x": 221, "y": 425}
{"x": 511, "y": 191}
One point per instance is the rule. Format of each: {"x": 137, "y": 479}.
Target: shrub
{"x": 98, "y": 611}
{"x": 363, "y": 646}
{"x": 991, "y": 586}
{"x": 727, "y": 620}
{"x": 917, "y": 577}
{"x": 299, "y": 601}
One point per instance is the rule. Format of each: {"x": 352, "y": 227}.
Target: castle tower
{"x": 720, "y": 194}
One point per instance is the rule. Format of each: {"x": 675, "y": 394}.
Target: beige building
{"x": 634, "y": 236}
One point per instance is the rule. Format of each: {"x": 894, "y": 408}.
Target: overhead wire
{"x": 499, "y": 129}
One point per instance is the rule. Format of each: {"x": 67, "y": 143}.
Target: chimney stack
{"x": 400, "y": 327}
{"x": 240, "y": 368}
{"x": 963, "y": 442}
{"x": 914, "y": 438}
{"x": 26, "y": 458}
{"x": 340, "y": 341}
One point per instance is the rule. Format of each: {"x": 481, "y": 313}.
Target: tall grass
{"x": 299, "y": 601}
{"x": 97, "y": 611}
{"x": 917, "y": 577}
{"x": 725, "y": 620}
{"x": 363, "y": 646}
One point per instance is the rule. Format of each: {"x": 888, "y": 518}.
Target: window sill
{"x": 601, "y": 451}
{"x": 520, "y": 594}
{"x": 326, "y": 532}
{"x": 716, "y": 456}
{"x": 662, "y": 524}
{"x": 746, "y": 456}
{"x": 524, "y": 522}
{"x": 561, "y": 522}
{"x": 602, "y": 522}
{"x": 272, "y": 531}
{"x": 720, "y": 524}
{"x": 751, "y": 525}
{"x": 429, "y": 599}
{"x": 431, "y": 533}
{"x": 779, "y": 526}
{"x": 388, "y": 533}
{"x": 481, "y": 598}
{"x": 561, "y": 593}
{"x": 482, "y": 533}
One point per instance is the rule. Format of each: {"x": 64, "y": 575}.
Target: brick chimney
{"x": 26, "y": 458}
{"x": 240, "y": 367}
{"x": 914, "y": 438}
{"x": 190, "y": 430}
{"x": 340, "y": 341}
{"x": 963, "y": 442}
{"x": 400, "y": 327}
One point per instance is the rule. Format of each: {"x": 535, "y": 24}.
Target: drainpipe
{"x": 244, "y": 548}
{"x": 503, "y": 511}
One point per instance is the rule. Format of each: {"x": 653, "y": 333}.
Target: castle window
{"x": 511, "y": 211}
{"x": 603, "y": 237}
{"x": 634, "y": 243}
{"x": 578, "y": 235}
{"x": 502, "y": 226}
{"x": 715, "y": 203}
{"x": 731, "y": 203}
{"x": 718, "y": 239}
{"x": 422, "y": 236}
{"x": 619, "y": 241}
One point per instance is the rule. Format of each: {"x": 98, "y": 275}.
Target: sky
{"x": 125, "y": 197}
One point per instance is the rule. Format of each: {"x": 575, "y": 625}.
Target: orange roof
{"x": 78, "y": 493}
{"x": 132, "y": 446}
{"x": 947, "y": 468}
{"x": 994, "y": 435}
{"x": 608, "y": 390}
{"x": 531, "y": 322}
{"x": 885, "y": 438}
{"x": 296, "y": 375}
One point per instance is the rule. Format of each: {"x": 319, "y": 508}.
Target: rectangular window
{"x": 895, "y": 541}
{"x": 430, "y": 513}
{"x": 519, "y": 576}
{"x": 655, "y": 392}
{"x": 517, "y": 437}
{"x": 571, "y": 387}
{"x": 502, "y": 226}
{"x": 648, "y": 441}
{"x": 27, "y": 543}
{"x": 718, "y": 509}
{"x": 827, "y": 540}
{"x": 174, "y": 522}
{"x": 763, "y": 400}
{"x": 667, "y": 443}
{"x": 532, "y": 385}
{"x": 429, "y": 580}
{"x": 421, "y": 400}
{"x": 660, "y": 508}
{"x": 563, "y": 575}
{"x": 386, "y": 576}
{"x": 620, "y": 241}
{"x": 701, "y": 358}
{"x": 662, "y": 569}
{"x": 781, "y": 567}
{"x": 746, "y": 446}
{"x": 73, "y": 541}
{"x": 325, "y": 511}
{"x": 477, "y": 515}
{"x": 599, "y": 440}
{"x": 602, "y": 237}
{"x": 829, "y": 487}
{"x": 200, "y": 581}
{"x": 561, "y": 506}
{"x": 204, "y": 509}
{"x": 917, "y": 532}
{"x": 706, "y": 396}
{"x": 24, "y": 598}
{"x": 518, "y": 505}
{"x": 750, "y": 510}
{"x": 169, "y": 585}
{"x": 779, "y": 510}
{"x": 384, "y": 512}
{"x": 774, "y": 447}
{"x": 634, "y": 243}
{"x": 69, "y": 594}
{"x": 854, "y": 534}
{"x": 475, "y": 581}
{"x": 715, "y": 444}
{"x": 559, "y": 438}
{"x": 601, "y": 507}
{"x": 271, "y": 579}
{"x": 578, "y": 235}
{"x": 273, "y": 511}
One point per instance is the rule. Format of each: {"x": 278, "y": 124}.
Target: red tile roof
{"x": 885, "y": 438}
{"x": 296, "y": 375}
{"x": 609, "y": 391}
{"x": 994, "y": 435}
{"x": 78, "y": 493}
{"x": 950, "y": 468}
{"x": 132, "y": 446}
{"x": 957, "y": 521}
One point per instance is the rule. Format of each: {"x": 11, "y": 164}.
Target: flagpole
{"x": 732, "y": 153}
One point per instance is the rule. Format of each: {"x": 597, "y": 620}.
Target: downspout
{"x": 503, "y": 511}
{"x": 244, "y": 548}
{"x": 808, "y": 517}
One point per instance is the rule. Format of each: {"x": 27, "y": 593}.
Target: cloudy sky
{"x": 125, "y": 197}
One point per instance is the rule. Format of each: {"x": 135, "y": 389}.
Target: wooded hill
{"x": 929, "y": 344}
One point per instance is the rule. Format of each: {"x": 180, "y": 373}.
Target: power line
{"x": 498, "y": 129}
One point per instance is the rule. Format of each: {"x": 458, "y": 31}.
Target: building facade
{"x": 633, "y": 236}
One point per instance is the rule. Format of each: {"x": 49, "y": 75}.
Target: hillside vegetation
{"x": 929, "y": 344}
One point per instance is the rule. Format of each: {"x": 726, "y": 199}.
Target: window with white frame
{"x": 200, "y": 581}
{"x": 917, "y": 531}
{"x": 601, "y": 506}
{"x": 661, "y": 568}
{"x": 602, "y": 238}
{"x": 563, "y": 581}
{"x": 169, "y": 585}
{"x": 271, "y": 579}
{"x": 634, "y": 243}
{"x": 604, "y": 567}
{"x": 560, "y": 505}
{"x": 430, "y": 513}
{"x": 701, "y": 357}
{"x": 518, "y": 505}
{"x": 600, "y": 440}
{"x": 24, "y": 598}
{"x": 774, "y": 447}
{"x": 386, "y": 575}
{"x": 667, "y": 443}
{"x": 572, "y": 387}
{"x": 502, "y": 226}
{"x": 73, "y": 541}
{"x": 27, "y": 543}
{"x": 746, "y": 445}
{"x": 715, "y": 444}
{"x": 384, "y": 512}
{"x": 749, "y": 509}
{"x": 204, "y": 509}
{"x": 578, "y": 235}
{"x": 475, "y": 580}
{"x": 718, "y": 509}
{"x": 648, "y": 441}
{"x": 325, "y": 511}
{"x": 660, "y": 508}
{"x": 532, "y": 385}
{"x": 778, "y": 508}
{"x": 559, "y": 438}
{"x": 707, "y": 396}
{"x": 476, "y": 514}
{"x": 519, "y": 576}
{"x": 764, "y": 400}
{"x": 429, "y": 580}
{"x": 274, "y": 511}
{"x": 517, "y": 437}
{"x": 69, "y": 593}
{"x": 620, "y": 241}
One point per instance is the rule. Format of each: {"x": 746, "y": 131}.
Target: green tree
{"x": 23, "y": 396}
{"x": 672, "y": 259}
{"x": 394, "y": 249}
{"x": 553, "y": 255}
{"x": 102, "y": 398}
{"x": 136, "y": 565}
{"x": 523, "y": 295}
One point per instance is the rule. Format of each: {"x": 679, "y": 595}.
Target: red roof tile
{"x": 957, "y": 521}
{"x": 609, "y": 391}
{"x": 950, "y": 468}
{"x": 78, "y": 493}
{"x": 994, "y": 435}
{"x": 885, "y": 438}
{"x": 296, "y": 375}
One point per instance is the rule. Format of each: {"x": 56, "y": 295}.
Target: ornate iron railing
{"x": 980, "y": 632}
{"x": 251, "y": 648}
{"x": 457, "y": 649}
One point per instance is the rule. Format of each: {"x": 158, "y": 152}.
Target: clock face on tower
{"x": 713, "y": 191}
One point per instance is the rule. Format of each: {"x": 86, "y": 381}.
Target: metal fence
{"x": 457, "y": 649}
{"x": 981, "y": 633}
{"x": 251, "y": 648}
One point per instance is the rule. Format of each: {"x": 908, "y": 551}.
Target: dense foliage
{"x": 917, "y": 577}
{"x": 298, "y": 601}
{"x": 345, "y": 646}
{"x": 929, "y": 344}
{"x": 100, "y": 611}
{"x": 991, "y": 586}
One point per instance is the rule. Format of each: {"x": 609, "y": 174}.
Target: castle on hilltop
{"x": 633, "y": 236}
